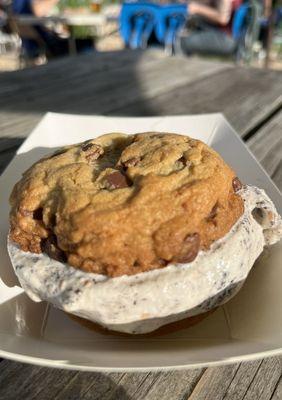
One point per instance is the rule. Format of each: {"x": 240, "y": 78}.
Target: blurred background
{"x": 33, "y": 32}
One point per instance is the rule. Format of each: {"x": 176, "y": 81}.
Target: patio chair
{"x": 245, "y": 29}
{"x": 137, "y": 21}
{"x": 170, "y": 18}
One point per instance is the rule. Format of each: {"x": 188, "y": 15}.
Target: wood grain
{"x": 92, "y": 85}
{"x": 214, "y": 383}
{"x": 266, "y": 145}
{"x": 246, "y": 96}
{"x": 265, "y": 380}
{"x": 277, "y": 394}
{"x": 137, "y": 83}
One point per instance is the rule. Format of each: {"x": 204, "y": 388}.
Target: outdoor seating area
{"x": 140, "y": 199}
{"x": 32, "y": 37}
{"x": 143, "y": 84}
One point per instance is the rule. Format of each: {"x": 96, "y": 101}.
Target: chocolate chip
{"x": 86, "y": 146}
{"x": 182, "y": 160}
{"x": 92, "y": 151}
{"x": 212, "y": 213}
{"x": 38, "y": 214}
{"x": 236, "y": 184}
{"x": 190, "y": 249}
{"x": 53, "y": 220}
{"x": 116, "y": 180}
{"x": 132, "y": 162}
{"x": 163, "y": 262}
{"x": 50, "y": 247}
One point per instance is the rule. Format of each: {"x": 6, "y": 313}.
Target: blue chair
{"x": 245, "y": 29}
{"x": 239, "y": 24}
{"x": 139, "y": 19}
{"x": 170, "y": 19}
{"x": 137, "y": 22}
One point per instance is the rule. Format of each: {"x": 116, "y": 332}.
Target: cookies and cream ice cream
{"x": 143, "y": 302}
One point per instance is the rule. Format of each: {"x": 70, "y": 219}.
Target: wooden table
{"x": 93, "y": 20}
{"x": 136, "y": 83}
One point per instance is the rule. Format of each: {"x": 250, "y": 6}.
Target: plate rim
{"x": 87, "y": 367}
{"x": 80, "y": 367}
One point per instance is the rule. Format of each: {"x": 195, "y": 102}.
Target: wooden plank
{"x": 107, "y": 386}
{"x": 247, "y": 381}
{"x": 277, "y": 394}
{"x": 70, "y": 67}
{"x": 101, "y": 92}
{"x": 272, "y": 160}
{"x": 93, "y": 386}
{"x": 235, "y": 382}
{"x": 277, "y": 176}
{"x": 17, "y": 124}
{"x": 91, "y": 93}
{"x": 214, "y": 383}
{"x": 162, "y": 385}
{"x": 266, "y": 138}
{"x": 78, "y": 75}
{"x": 266, "y": 145}
{"x": 20, "y": 381}
{"x": 78, "y": 70}
{"x": 242, "y": 94}
{"x": 241, "y": 382}
{"x": 265, "y": 381}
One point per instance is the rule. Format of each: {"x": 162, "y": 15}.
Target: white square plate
{"x": 248, "y": 327}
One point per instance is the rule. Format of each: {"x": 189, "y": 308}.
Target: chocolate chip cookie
{"x": 123, "y": 204}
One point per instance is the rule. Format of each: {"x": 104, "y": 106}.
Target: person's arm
{"x": 267, "y": 8}
{"x": 42, "y": 8}
{"x": 220, "y": 15}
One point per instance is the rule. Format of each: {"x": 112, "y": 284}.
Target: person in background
{"x": 56, "y": 46}
{"x": 3, "y": 15}
{"x": 208, "y": 28}
{"x": 266, "y": 6}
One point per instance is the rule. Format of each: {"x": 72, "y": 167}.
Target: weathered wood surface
{"x": 266, "y": 144}
{"x": 256, "y": 380}
{"x": 134, "y": 83}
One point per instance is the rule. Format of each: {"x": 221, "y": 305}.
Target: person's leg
{"x": 86, "y": 45}
{"x": 207, "y": 41}
{"x": 55, "y": 45}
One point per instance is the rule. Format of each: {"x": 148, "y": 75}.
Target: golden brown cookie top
{"x": 123, "y": 204}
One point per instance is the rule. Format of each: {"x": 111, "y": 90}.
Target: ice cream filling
{"x": 143, "y": 302}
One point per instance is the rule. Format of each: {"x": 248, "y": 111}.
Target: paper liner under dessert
{"x": 144, "y": 302}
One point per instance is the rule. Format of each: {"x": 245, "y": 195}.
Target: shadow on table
{"x": 64, "y": 385}
{"x": 8, "y": 148}
{"x": 85, "y": 84}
